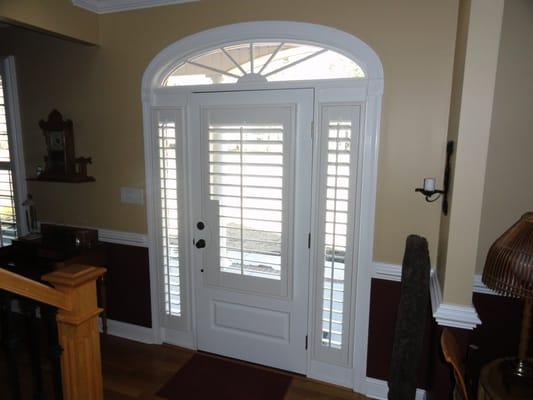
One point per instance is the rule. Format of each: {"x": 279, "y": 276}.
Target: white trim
{"x": 123, "y": 237}
{"x": 452, "y": 315}
{"x": 174, "y": 337}
{"x": 153, "y": 95}
{"x": 332, "y": 38}
{"x": 128, "y": 331}
{"x": 334, "y": 374}
{"x": 388, "y": 272}
{"x": 379, "y": 389}
{"x": 369, "y": 178}
{"x": 16, "y": 150}
{"x": 393, "y": 272}
{"x": 111, "y": 6}
{"x": 112, "y": 236}
{"x": 480, "y": 287}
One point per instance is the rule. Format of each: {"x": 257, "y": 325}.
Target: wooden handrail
{"x": 75, "y": 296}
{"x": 22, "y": 286}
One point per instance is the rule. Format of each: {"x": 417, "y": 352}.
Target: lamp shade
{"x": 509, "y": 265}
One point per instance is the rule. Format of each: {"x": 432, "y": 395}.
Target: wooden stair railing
{"x": 74, "y": 294}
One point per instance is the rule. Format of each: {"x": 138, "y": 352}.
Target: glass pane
{"x": 336, "y": 225}
{"x": 217, "y": 59}
{"x": 8, "y": 221}
{"x": 240, "y": 53}
{"x": 263, "y": 53}
{"x": 288, "y": 54}
{"x": 169, "y": 212}
{"x": 276, "y": 61}
{"x": 327, "y": 65}
{"x": 8, "y": 218}
{"x": 189, "y": 74}
{"x": 246, "y": 177}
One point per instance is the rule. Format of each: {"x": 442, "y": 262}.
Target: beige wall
{"x": 59, "y": 17}
{"x": 509, "y": 175}
{"x": 99, "y": 88}
{"x": 453, "y": 125}
{"x": 472, "y": 134}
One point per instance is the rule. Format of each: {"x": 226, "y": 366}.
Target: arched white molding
{"x": 335, "y": 39}
{"x": 364, "y": 56}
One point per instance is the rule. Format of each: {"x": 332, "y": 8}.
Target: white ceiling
{"x": 109, "y": 6}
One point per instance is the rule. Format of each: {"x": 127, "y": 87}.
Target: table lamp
{"x": 509, "y": 271}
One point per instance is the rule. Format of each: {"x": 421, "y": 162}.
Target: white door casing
{"x": 367, "y": 92}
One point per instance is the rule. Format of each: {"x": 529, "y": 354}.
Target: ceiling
{"x": 110, "y": 6}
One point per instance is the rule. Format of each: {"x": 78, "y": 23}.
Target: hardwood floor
{"x": 136, "y": 371}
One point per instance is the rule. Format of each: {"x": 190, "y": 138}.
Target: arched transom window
{"x": 262, "y": 61}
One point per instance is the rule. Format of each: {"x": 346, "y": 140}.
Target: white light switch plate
{"x": 129, "y": 195}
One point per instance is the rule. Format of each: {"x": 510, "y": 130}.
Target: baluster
{"x": 9, "y": 343}
{"x": 55, "y": 350}
{"x": 29, "y": 308}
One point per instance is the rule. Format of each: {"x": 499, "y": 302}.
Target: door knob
{"x": 200, "y": 244}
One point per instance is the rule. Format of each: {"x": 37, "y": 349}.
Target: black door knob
{"x": 200, "y": 244}
{"x": 200, "y": 225}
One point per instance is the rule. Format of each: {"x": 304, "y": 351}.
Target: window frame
{"x": 368, "y": 91}
{"x": 257, "y": 77}
{"x": 14, "y": 129}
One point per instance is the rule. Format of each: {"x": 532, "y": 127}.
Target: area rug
{"x": 207, "y": 377}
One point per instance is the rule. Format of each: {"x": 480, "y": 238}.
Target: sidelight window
{"x": 10, "y": 158}
{"x": 339, "y": 139}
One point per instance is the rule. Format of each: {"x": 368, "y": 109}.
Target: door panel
{"x": 254, "y": 154}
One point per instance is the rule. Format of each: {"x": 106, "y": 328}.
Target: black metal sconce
{"x": 430, "y": 193}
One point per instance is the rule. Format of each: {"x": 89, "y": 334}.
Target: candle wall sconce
{"x": 430, "y": 192}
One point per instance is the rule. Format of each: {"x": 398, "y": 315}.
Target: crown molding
{"x": 111, "y": 6}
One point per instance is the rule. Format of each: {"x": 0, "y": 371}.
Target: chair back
{"x": 450, "y": 349}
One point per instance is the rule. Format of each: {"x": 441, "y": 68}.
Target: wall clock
{"x": 60, "y": 160}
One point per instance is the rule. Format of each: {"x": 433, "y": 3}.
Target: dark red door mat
{"x": 205, "y": 377}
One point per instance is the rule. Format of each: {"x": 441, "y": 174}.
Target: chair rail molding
{"x": 111, "y": 6}
{"x": 453, "y": 315}
{"x": 480, "y": 287}
{"x": 112, "y": 236}
{"x": 123, "y": 237}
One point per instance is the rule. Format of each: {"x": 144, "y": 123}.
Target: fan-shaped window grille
{"x": 262, "y": 62}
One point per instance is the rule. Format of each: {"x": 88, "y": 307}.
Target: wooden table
{"x": 492, "y": 384}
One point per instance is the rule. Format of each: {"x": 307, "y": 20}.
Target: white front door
{"x": 251, "y": 186}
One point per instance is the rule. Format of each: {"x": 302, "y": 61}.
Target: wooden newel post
{"x": 81, "y": 366}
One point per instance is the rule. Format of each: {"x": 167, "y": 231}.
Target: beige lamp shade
{"x": 509, "y": 265}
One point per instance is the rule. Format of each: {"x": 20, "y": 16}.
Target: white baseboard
{"x": 178, "y": 338}
{"x": 341, "y": 376}
{"x": 378, "y": 389}
{"x": 480, "y": 287}
{"x": 452, "y": 315}
{"x": 129, "y": 331}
